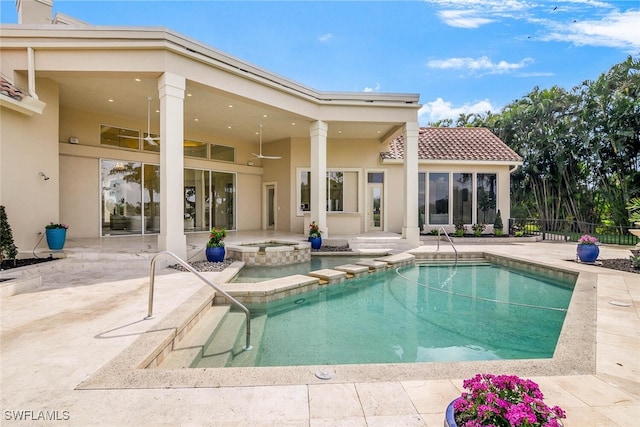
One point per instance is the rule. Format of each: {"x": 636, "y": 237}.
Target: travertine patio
{"x": 86, "y": 313}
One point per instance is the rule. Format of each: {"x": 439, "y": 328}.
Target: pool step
{"x": 249, "y": 358}
{"x": 191, "y": 347}
{"x": 227, "y": 341}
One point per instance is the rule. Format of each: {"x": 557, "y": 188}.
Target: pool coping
{"x": 575, "y": 352}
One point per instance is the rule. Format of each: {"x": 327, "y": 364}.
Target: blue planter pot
{"x": 56, "y": 238}
{"x": 215, "y": 254}
{"x": 316, "y": 242}
{"x": 588, "y": 253}
{"x": 449, "y": 420}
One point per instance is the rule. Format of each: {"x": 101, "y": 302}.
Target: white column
{"x": 318, "y": 133}
{"x": 172, "y": 238}
{"x": 410, "y": 229}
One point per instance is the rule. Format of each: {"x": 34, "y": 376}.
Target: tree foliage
{"x": 581, "y": 147}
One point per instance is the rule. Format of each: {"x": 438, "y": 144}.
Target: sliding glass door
{"x": 130, "y": 199}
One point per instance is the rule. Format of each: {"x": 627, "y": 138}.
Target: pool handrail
{"x": 450, "y": 242}
{"x": 152, "y": 274}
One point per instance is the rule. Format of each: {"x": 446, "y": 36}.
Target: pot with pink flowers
{"x": 587, "y": 250}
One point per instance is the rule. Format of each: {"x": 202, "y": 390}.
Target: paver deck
{"x": 79, "y": 320}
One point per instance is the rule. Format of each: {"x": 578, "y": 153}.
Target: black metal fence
{"x": 565, "y": 230}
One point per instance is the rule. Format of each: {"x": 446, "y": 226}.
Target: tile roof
{"x": 467, "y": 144}
{"x": 8, "y": 89}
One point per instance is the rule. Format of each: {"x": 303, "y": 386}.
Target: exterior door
{"x": 375, "y": 212}
{"x": 269, "y": 220}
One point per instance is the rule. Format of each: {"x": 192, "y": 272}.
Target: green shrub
{"x": 8, "y": 249}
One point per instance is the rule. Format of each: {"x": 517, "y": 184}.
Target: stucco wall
{"x": 29, "y": 145}
{"x": 80, "y": 195}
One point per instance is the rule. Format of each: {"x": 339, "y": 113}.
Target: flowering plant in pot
{"x": 52, "y": 226}
{"x": 502, "y": 400}
{"x": 215, "y": 245}
{"x": 56, "y": 235}
{"x": 315, "y": 235}
{"x": 587, "y": 250}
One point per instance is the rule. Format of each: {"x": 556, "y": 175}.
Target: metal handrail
{"x": 450, "y": 242}
{"x": 152, "y": 274}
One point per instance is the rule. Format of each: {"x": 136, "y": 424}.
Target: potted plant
{"x": 587, "y": 250}
{"x": 497, "y": 225}
{"x": 56, "y": 235}
{"x": 502, "y": 400}
{"x": 460, "y": 229}
{"x": 215, "y": 246}
{"x": 315, "y": 235}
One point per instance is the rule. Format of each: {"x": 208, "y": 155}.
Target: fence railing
{"x": 564, "y": 230}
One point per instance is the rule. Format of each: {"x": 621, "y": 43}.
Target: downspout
{"x": 31, "y": 72}
{"x": 515, "y": 168}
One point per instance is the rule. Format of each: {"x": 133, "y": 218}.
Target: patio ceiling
{"x": 207, "y": 110}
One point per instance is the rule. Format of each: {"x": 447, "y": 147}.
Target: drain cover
{"x": 323, "y": 375}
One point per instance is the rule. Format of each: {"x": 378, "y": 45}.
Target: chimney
{"x": 34, "y": 11}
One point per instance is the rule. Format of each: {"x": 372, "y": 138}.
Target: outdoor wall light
{"x": 45, "y": 177}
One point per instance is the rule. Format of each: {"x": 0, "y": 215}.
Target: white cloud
{"x": 375, "y": 89}
{"x": 440, "y": 110}
{"x": 482, "y": 65}
{"x": 475, "y": 13}
{"x": 616, "y": 29}
{"x": 463, "y": 18}
{"x": 325, "y": 37}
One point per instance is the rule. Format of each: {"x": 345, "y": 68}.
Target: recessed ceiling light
{"x": 229, "y": 127}
{"x": 339, "y": 131}
{"x": 138, "y": 80}
{"x": 230, "y": 105}
{"x": 293, "y": 123}
{"x": 188, "y": 94}
{"x": 196, "y": 119}
{"x": 111, "y": 100}
{"x": 264, "y": 115}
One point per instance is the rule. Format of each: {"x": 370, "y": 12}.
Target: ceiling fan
{"x": 261, "y": 156}
{"x": 151, "y": 140}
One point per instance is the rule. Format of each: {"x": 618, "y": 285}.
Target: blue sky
{"x": 459, "y": 55}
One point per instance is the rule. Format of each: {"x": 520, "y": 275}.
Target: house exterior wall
{"x": 28, "y": 146}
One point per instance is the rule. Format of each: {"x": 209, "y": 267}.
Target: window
{"x": 195, "y": 149}
{"x": 487, "y": 200}
{"x": 438, "y": 198}
{"x": 342, "y": 191}
{"x": 422, "y": 208}
{"x": 151, "y": 144}
{"x": 119, "y": 137}
{"x": 462, "y": 198}
{"x": 223, "y": 153}
{"x": 305, "y": 191}
{"x": 121, "y": 197}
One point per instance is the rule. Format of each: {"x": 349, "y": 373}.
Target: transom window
{"x": 134, "y": 139}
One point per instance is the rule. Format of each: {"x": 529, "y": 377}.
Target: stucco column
{"x": 172, "y": 238}
{"x": 318, "y": 133}
{"x": 410, "y": 229}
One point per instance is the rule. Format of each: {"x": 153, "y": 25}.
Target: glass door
{"x": 375, "y": 205}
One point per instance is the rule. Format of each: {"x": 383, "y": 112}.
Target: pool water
{"x": 424, "y": 314}
{"x": 256, "y": 273}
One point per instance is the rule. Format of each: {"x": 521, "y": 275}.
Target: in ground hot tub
{"x": 270, "y": 252}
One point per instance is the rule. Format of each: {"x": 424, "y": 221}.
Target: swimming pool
{"x": 421, "y": 313}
